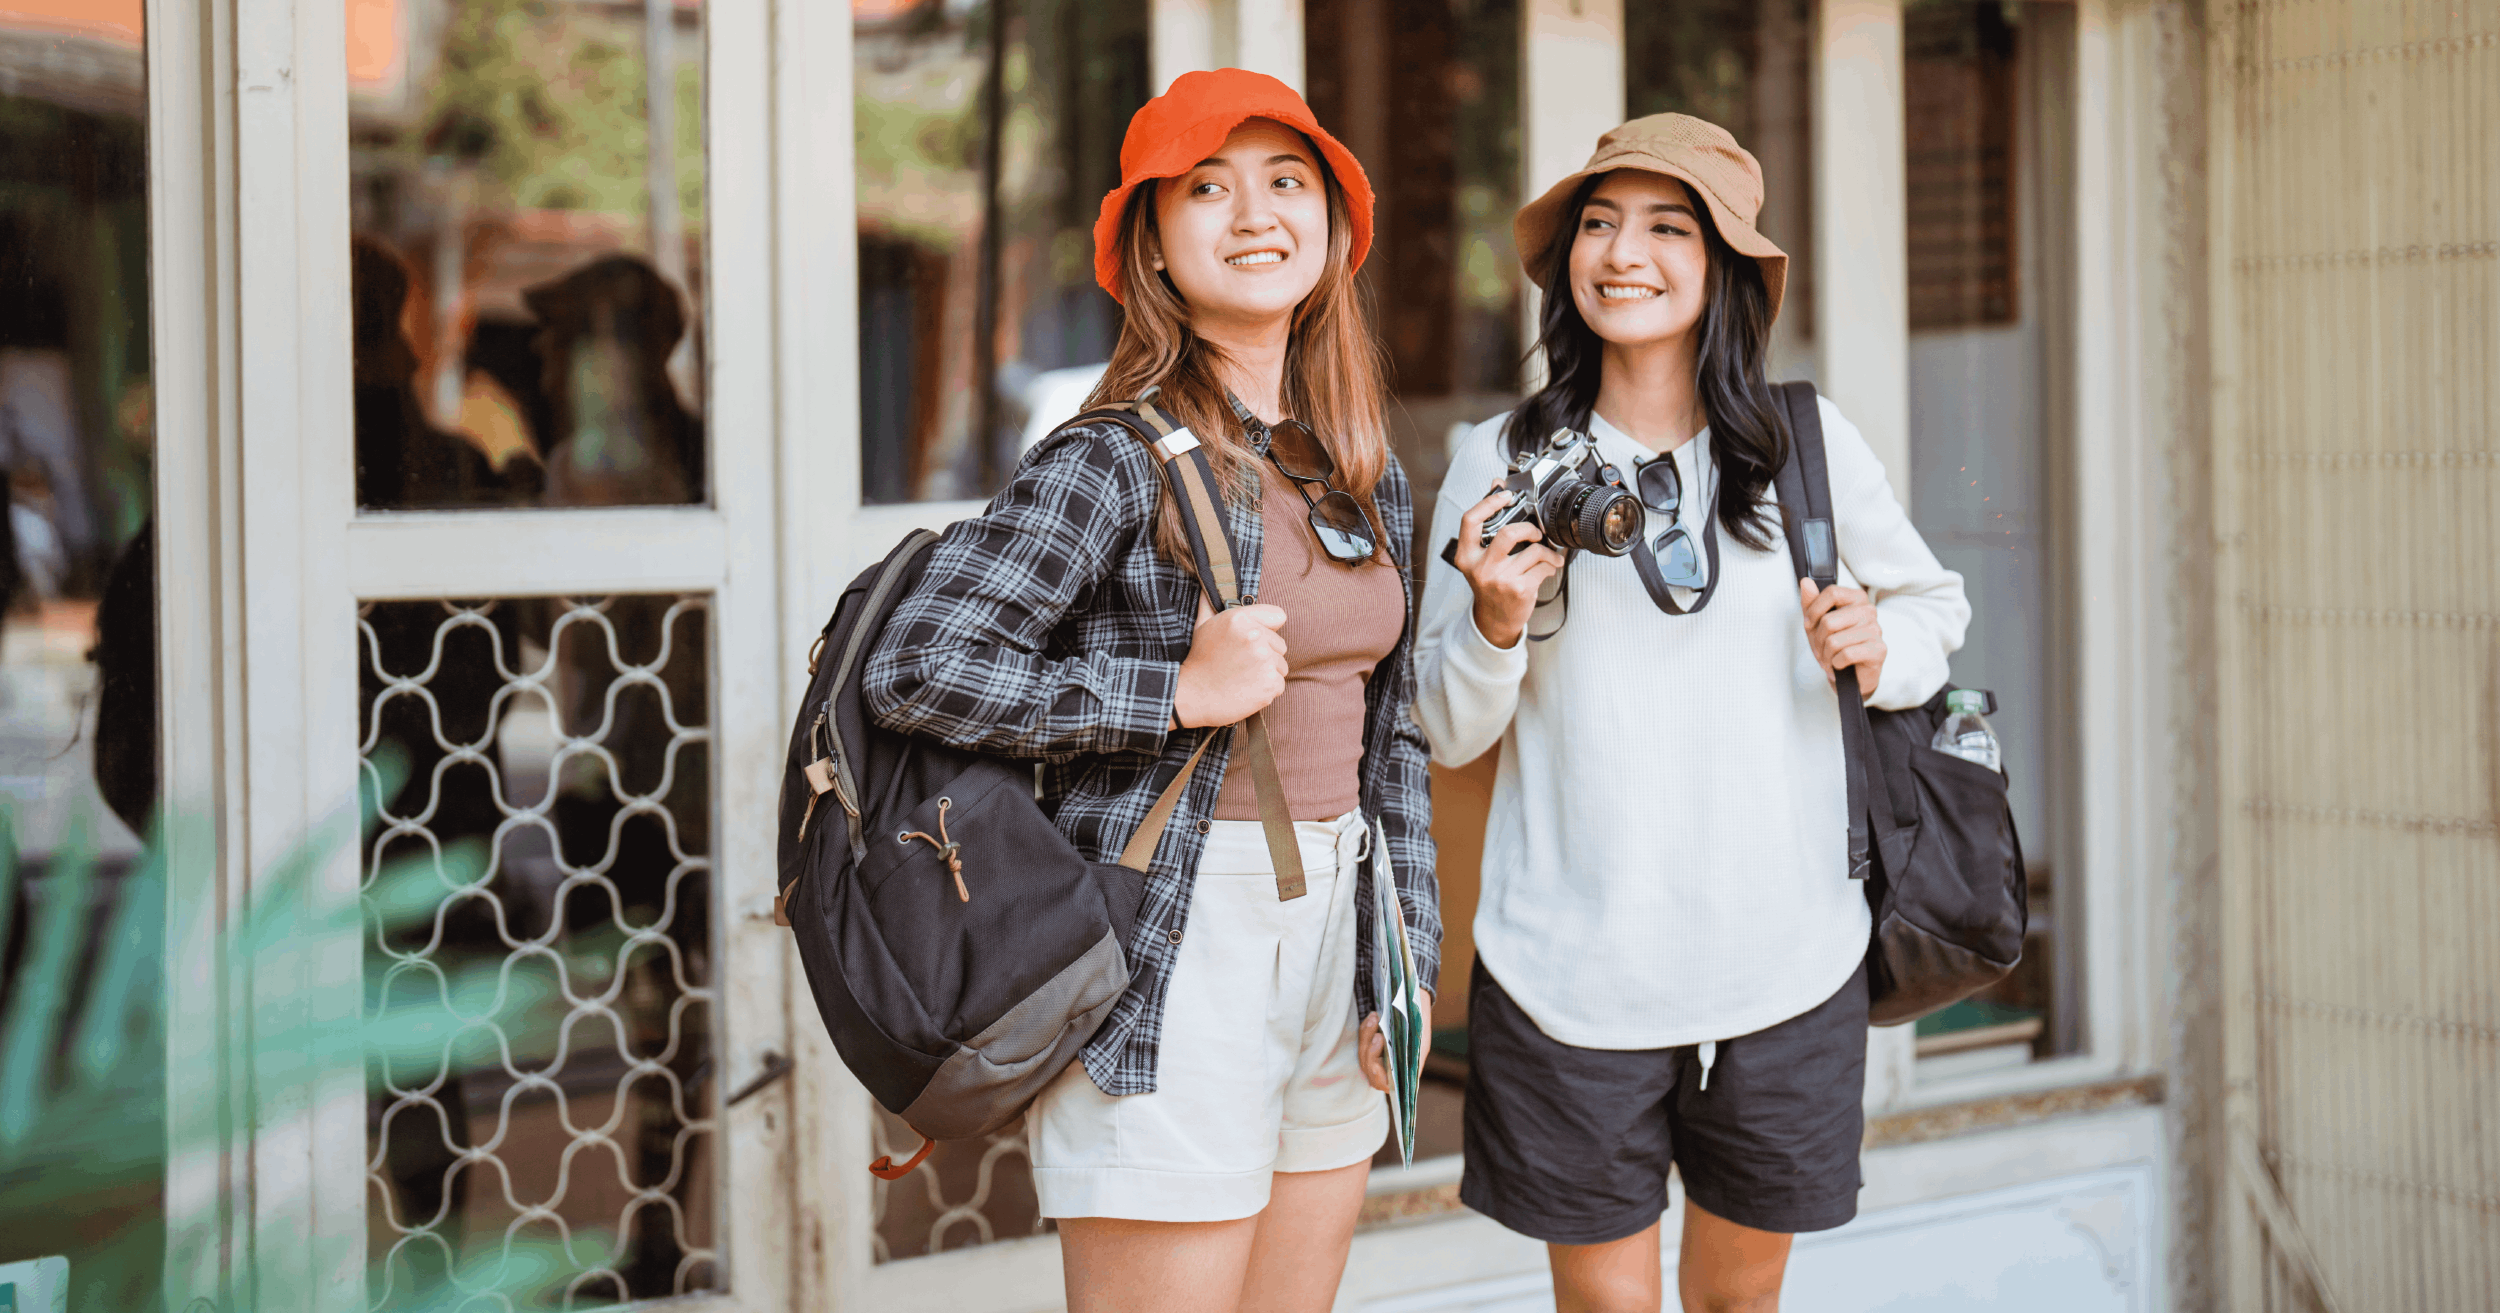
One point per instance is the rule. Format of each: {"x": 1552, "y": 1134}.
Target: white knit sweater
{"x": 1665, "y": 862}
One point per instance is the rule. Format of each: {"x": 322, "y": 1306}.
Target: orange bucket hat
{"x": 1174, "y": 131}
{"x": 1701, "y": 154}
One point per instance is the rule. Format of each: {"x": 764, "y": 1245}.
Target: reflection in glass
{"x": 81, "y": 917}
{"x": 1746, "y": 65}
{"x": 528, "y": 208}
{"x": 1426, "y": 95}
{"x": 987, "y": 135}
{"x": 558, "y": 784}
{"x": 1989, "y": 103}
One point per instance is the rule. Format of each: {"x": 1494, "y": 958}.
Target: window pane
{"x": 987, "y": 135}
{"x": 984, "y": 152}
{"x": 541, "y": 868}
{"x": 1426, "y": 95}
{"x": 1990, "y": 250}
{"x": 1747, "y": 67}
{"x": 528, "y": 276}
{"x": 82, "y": 915}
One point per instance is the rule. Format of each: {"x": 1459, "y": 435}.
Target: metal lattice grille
{"x": 558, "y": 783}
{"x": 969, "y": 1192}
{"x": 2358, "y": 328}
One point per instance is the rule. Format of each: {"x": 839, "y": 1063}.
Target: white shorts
{"x": 1257, "y": 1072}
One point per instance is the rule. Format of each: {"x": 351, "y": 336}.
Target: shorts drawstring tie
{"x": 1709, "y": 1054}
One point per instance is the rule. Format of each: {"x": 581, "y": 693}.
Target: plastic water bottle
{"x": 1965, "y": 732}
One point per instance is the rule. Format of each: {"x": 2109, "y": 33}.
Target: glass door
{"x": 82, "y": 892}
{"x": 548, "y": 666}
{"x": 479, "y": 443}
{"x": 527, "y": 284}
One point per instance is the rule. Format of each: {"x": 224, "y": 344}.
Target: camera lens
{"x": 1592, "y": 517}
{"x": 1613, "y": 522}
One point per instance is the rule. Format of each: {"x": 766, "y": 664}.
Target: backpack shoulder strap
{"x": 1204, "y": 520}
{"x": 1805, "y": 488}
{"x": 1805, "y": 494}
{"x": 1209, "y": 530}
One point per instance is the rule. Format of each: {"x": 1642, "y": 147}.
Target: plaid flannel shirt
{"x": 1049, "y": 627}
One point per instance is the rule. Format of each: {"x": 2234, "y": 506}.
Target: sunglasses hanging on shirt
{"x": 1337, "y": 520}
{"x": 1671, "y": 560}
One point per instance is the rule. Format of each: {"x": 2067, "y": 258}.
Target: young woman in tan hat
{"x": 1209, "y": 1150}
{"x": 1669, "y": 948}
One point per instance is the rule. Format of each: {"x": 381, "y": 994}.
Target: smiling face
{"x": 1639, "y": 266}
{"x": 1244, "y": 234}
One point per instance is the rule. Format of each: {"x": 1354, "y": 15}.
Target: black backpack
{"x": 1931, "y": 834}
{"x": 960, "y": 949}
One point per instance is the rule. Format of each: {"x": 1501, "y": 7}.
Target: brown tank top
{"x": 1340, "y": 623}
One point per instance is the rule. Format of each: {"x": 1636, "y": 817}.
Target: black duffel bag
{"x": 1930, "y": 833}
{"x": 959, "y": 947}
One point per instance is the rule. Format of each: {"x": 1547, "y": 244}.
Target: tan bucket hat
{"x": 1700, "y": 153}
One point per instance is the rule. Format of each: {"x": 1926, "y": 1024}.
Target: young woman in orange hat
{"x": 1669, "y": 948}
{"x": 1209, "y": 1151}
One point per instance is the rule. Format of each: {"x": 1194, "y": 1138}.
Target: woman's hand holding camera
{"x": 1842, "y": 625}
{"x": 1235, "y": 666}
{"x": 1505, "y": 584}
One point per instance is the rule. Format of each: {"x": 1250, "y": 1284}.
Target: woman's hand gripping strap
{"x": 1203, "y": 523}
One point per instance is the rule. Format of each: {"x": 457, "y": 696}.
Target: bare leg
{"x": 1304, "y": 1234}
{"x": 1119, "y": 1266}
{"x": 1728, "y": 1268}
{"x": 1619, "y": 1276}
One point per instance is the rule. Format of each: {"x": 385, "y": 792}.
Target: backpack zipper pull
{"x": 819, "y": 783}
{"x": 947, "y": 848}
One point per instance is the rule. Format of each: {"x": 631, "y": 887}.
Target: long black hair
{"x": 1748, "y": 440}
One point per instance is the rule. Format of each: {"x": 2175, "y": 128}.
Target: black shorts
{"x": 1571, "y": 1145}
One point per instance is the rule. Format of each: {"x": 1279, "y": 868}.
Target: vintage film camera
{"x": 1576, "y": 501}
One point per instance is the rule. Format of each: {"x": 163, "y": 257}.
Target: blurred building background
{"x": 472, "y": 407}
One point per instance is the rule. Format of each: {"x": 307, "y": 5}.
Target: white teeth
{"x": 1258, "y": 257}
{"x": 1613, "y": 293}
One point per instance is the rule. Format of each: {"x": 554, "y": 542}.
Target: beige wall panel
{"x": 2357, "y": 282}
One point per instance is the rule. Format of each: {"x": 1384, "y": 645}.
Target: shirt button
{"x": 1206, "y": 827}
{"x": 1175, "y": 937}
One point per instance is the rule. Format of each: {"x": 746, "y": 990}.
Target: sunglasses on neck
{"x": 1662, "y": 490}
{"x": 1336, "y": 518}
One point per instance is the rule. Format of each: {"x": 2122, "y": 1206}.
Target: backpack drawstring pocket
{"x": 947, "y": 848}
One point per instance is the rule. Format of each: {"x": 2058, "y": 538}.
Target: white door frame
{"x": 264, "y": 561}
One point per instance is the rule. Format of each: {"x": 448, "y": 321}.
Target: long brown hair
{"x": 1332, "y": 367}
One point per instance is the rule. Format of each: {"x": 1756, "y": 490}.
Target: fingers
{"x": 1260, "y": 628}
{"x": 1837, "y": 625}
{"x": 1844, "y": 595}
{"x": 1373, "y": 1049}
{"x": 1821, "y": 601}
{"x": 1471, "y": 525}
{"x": 1511, "y": 538}
{"x": 1515, "y": 545}
{"x": 1844, "y": 629}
